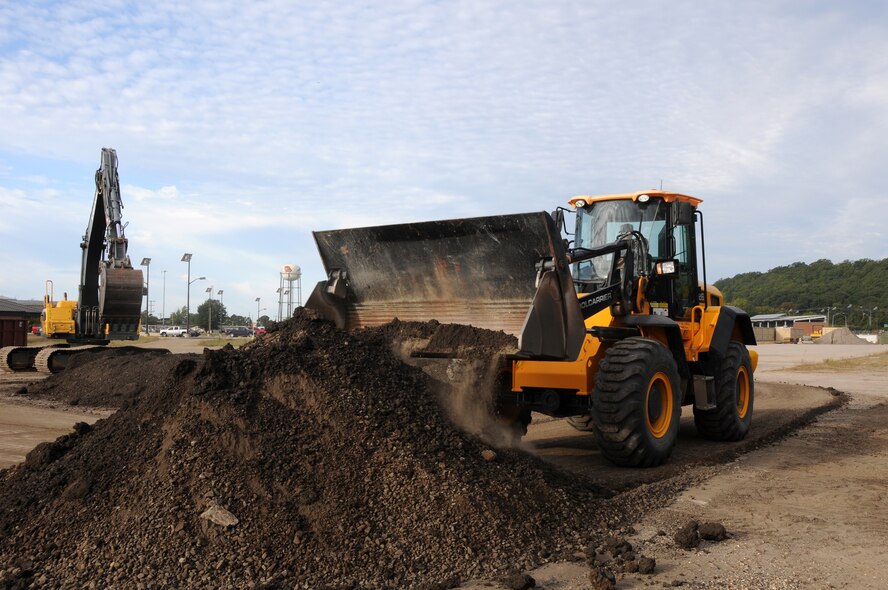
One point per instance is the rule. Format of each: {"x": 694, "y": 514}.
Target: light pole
{"x": 210, "y": 309}
{"x": 188, "y": 305}
{"x": 280, "y": 300}
{"x": 146, "y": 262}
{"x": 257, "y": 310}
{"x": 163, "y": 310}
{"x": 187, "y": 258}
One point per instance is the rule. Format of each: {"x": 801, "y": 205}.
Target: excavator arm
{"x": 110, "y": 296}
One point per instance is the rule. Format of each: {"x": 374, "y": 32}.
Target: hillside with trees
{"x": 858, "y": 289}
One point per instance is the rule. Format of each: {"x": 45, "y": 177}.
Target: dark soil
{"x": 106, "y": 379}
{"x": 335, "y": 458}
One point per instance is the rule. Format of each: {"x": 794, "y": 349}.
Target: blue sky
{"x": 242, "y": 126}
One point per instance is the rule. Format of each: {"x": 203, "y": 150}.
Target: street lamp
{"x": 219, "y": 293}
{"x": 146, "y": 262}
{"x": 210, "y": 309}
{"x": 188, "y": 305}
{"x": 280, "y": 301}
{"x": 257, "y": 310}
{"x": 187, "y": 258}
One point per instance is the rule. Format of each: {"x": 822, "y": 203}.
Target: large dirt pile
{"x": 841, "y": 336}
{"x": 310, "y": 458}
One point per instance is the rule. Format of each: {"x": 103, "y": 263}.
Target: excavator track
{"x": 19, "y": 359}
{"x": 54, "y": 360}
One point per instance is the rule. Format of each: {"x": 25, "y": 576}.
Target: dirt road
{"x": 24, "y": 423}
{"x": 807, "y": 512}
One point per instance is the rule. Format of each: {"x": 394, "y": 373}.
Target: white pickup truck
{"x": 172, "y": 331}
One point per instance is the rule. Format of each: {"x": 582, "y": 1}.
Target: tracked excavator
{"x": 617, "y": 328}
{"x": 109, "y": 302}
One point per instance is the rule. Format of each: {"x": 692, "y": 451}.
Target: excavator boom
{"x": 110, "y": 302}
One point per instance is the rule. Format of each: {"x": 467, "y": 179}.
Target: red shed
{"x": 13, "y": 330}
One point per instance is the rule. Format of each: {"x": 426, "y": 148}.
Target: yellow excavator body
{"x": 57, "y": 318}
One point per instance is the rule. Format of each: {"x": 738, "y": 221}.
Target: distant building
{"x": 29, "y": 309}
{"x": 781, "y": 320}
{"x": 798, "y": 325}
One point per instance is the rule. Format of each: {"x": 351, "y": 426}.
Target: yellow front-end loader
{"x": 617, "y": 329}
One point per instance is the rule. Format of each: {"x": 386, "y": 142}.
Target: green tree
{"x": 178, "y": 317}
{"x": 204, "y": 315}
{"x": 238, "y": 320}
{"x": 814, "y": 288}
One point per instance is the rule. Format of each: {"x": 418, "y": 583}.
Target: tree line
{"x": 853, "y": 292}
{"x": 211, "y": 310}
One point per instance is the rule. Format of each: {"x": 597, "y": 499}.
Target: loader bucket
{"x": 480, "y": 271}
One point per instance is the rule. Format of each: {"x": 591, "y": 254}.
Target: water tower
{"x": 290, "y": 274}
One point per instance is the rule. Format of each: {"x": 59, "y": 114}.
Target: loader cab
{"x": 662, "y": 225}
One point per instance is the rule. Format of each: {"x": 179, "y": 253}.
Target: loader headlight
{"x": 644, "y": 198}
{"x": 667, "y": 267}
{"x": 580, "y": 203}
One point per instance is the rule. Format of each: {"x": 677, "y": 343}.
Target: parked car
{"x": 237, "y": 331}
{"x": 259, "y": 330}
{"x": 172, "y": 331}
{"x": 195, "y": 332}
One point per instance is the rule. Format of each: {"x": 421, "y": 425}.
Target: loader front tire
{"x": 734, "y": 394}
{"x": 637, "y": 403}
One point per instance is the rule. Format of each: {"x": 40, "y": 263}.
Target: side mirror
{"x": 682, "y": 213}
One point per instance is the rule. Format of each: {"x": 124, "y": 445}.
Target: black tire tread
{"x": 723, "y": 423}
{"x": 619, "y": 405}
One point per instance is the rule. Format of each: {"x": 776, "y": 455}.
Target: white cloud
{"x": 240, "y": 127}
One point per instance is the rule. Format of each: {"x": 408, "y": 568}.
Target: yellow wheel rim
{"x": 658, "y": 405}
{"x": 742, "y": 392}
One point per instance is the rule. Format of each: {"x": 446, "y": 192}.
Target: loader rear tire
{"x": 583, "y": 422}
{"x": 637, "y": 403}
{"x": 734, "y": 395}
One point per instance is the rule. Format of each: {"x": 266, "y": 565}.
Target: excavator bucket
{"x": 120, "y": 302}
{"x": 481, "y": 272}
